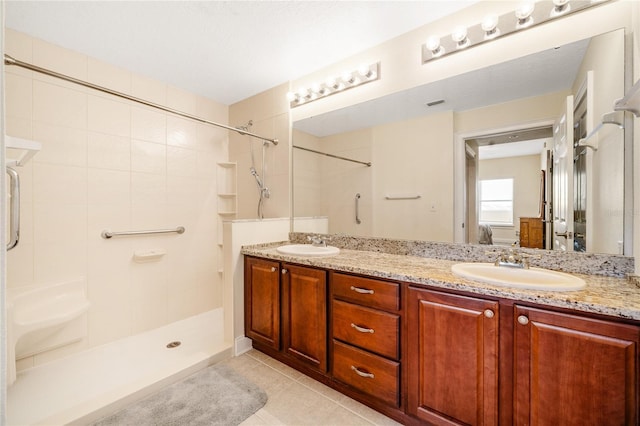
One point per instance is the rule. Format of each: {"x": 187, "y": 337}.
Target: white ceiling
{"x": 224, "y": 50}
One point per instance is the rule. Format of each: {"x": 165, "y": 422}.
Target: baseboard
{"x": 242, "y": 344}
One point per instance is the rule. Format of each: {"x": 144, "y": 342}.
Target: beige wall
{"x": 525, "y": 172}
{"x": 414, "y": 157}
{"x": 307, "y": 169}
{"x": 107, "y": 163}
{"x": 410, "y": 157}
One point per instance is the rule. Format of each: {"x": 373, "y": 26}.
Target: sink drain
{"x": 173, "y": 344}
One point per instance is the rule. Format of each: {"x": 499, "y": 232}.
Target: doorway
{"x": 512, "y": 166}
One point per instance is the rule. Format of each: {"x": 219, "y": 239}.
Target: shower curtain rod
{"x": 8, "y": 60}
{"x": 333, "y": 156}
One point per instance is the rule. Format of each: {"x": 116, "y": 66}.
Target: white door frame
{"x": 459, "y": 177}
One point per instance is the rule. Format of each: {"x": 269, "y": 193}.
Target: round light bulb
{"x": 315, "y": 88}
{"x": 489, "y": 23}
{"x": 459, "y": 34}
{"x": 433, "y": 43}
{"x": 331, "y": 82}
{"x": 523, "y": 13}
{"x": 291, "y": 96}
{"x": 364, "y": 70}
{"x": 302, "y": 93}
{"x": 560, "y": 8}
{"x": 347, "y": 77}
{"x": 525, "y": 10}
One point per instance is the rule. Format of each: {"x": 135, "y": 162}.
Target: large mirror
{"x": 516, "y": 153}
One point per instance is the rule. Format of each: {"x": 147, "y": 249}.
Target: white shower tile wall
{"x": 107, "y": 163}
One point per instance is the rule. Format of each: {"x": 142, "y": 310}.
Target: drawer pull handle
{"x": 362, "y": 373}
{"x": 362, "y": 329}
{"x": 523, "y": 320}
{"x": 361, "y": 290}
{"x": 273, "y": 269}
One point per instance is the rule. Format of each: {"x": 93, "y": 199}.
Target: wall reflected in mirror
{"x": 419, "y": 179}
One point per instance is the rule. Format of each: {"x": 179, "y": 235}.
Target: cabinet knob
{"x": 284, "y": 271}
{"x": 273, "y": 269}
{"x": 523, "y": 320}
{"x": 488, "y": 313}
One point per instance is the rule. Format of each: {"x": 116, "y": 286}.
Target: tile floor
{"x": 295, "y": 399}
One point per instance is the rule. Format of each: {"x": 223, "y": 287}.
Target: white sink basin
{"x": 532, "y": 278}
{"x": 308, "y": 250}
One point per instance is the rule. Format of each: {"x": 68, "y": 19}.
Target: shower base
{"x": 89, "y": 385}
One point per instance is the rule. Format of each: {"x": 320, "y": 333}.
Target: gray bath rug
{"x": 216, "y": 395}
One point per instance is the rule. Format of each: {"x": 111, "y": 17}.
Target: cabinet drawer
{"x": 366, "y": 291}
{"x": 367, "y": 328}
{"x": 366, "y": 372}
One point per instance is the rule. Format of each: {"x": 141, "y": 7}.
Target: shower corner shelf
{"x": 20, "y": 151}
{"x": 227, "y": 202}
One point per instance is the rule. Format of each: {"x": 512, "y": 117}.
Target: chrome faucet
{"x": 512, "y": 258}
{"x": 317, "y": 241}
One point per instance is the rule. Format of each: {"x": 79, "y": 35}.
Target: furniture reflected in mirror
{"x": 532, "y": 229}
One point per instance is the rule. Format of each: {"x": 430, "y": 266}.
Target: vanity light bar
{"x": 348, "y": 80}
{"x": 527, "y": 15}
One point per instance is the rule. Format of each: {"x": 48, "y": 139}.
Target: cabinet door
{"x": 262, "y": 301}
{"x": 304, "y": 314}
{"x": 572, "y": 370}
{"x": 452, "y": 373}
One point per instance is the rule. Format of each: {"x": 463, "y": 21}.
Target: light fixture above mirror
{"x": 332, "y": 85}
{"x": 527, "y": 15}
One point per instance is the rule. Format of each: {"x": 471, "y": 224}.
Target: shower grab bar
{"x": 403, "y": 197}
{"x": 106, "y": 234}
{"x": 368, "y": 164}
{"x": 8, "y": 60}
{"x": 14, "y": 208}
{"x": 358, "y": 221}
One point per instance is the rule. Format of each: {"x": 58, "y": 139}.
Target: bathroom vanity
{"x": 406, "y": 337}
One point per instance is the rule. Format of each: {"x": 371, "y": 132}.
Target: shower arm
{"x": 8, "y": 60}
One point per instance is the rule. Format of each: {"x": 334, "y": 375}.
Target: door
{"x": 571, "y": 370}
{"x": 262, "y": 301}
{"x": 453, "y": 358}
{"x": 563, "y": 179}
{"x": 304, "y": 314}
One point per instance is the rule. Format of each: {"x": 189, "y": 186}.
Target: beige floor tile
{"x": 298, "y": 400}
{"x": 321, "y": 388}
{"x": 254, "y": 420}
{"x": 368, "y": 413}
{"x": 284, "y": 369}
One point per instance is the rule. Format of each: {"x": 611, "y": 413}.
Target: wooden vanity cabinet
{"x": 429, "y": 356}
{"x": 573, "y": 370}
{"x": 365, "y": 336}
{"x": 262, "y": 301}
{"x": 286, "y": 310}
{"x": 304, "y": 314}
{"x": 452, "y": 358}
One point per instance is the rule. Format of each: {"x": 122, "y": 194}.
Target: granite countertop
{"x": 617, "y": 297}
